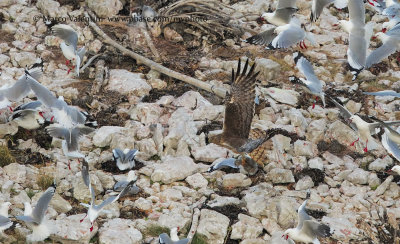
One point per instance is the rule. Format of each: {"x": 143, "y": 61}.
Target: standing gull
{"x": 311, "y": 84}
{"x": 69, "y": 45}
{"x": 35, "y": 218}
{"x": 94, "y": 210}
{"x": 124, "y": 159}
{"x": 307, "y": 230}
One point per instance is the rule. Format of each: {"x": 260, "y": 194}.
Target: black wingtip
{"x": 270, "y": 46}
{"x": 297, "y": 56}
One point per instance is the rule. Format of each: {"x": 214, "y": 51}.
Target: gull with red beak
{"x": 307, "y": 230}
{"x": 29, "y": 119}
{"x": 18, "y": 90}
{"x": 281, "y": 16}
{"x": 364, "y": 129}
{"x": 69, "y": 45}
{"x": 391, "y": 44}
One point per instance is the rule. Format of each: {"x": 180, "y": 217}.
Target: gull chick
{"x": 94, "y": 210}
{"x": 124, "y": 159}
{"x": 307, "y": 230}
{"x": 35, "y": 218}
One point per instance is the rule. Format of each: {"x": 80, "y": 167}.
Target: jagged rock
{"x": 173, "y": 169}
{"x": 16, "y": 172}
{"x": 213, "y": 225}
{"x": 358, "y": 176}
{"x": 103, "y": 136}
{"x": 269, "y": 69}
{"x": 247, "y": 227}
{"x": 231, "y": 181}
{"x": 104, "y": 9}
{"x": 304, "y": 183}
{"x": 70, "y": 229}
{"x": 278, "y": 176}
{"x": 119, "y": 231}
{"x": 196, "y": 181}
{"x": 126, "y": 82}
{"x": 209, "y": 153}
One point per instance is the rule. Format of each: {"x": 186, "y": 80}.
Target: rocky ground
{"x": 166, "y": 120}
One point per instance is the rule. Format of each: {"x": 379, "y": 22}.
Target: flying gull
{"x": 383, "y": 93}
{"x": 70, "y": 139}
{"x": 391, "y": 44}
{"x": 291, "y": 34}
{"x": 307, "y": 230}
{"x": 35, "y": 218}
{"x": 311, "y": 84}
{"x": 94, "y": 210}
{"x": 17, "y": 91}
{"x": 69, "y": 45}
{"x": 364, "y": 129}
{"x": 124, "y": 159}
{"x": 67, "y": 116}
{"x": 281, "y": 16}
{"x": 357, "y": 50}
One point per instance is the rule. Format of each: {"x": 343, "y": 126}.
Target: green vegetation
{"x": 44, "y": 181}
{"x": 199, "y": 239}
{"x": 5, "y": 156}
{"x": 156, "y": 230}
{"x": 30, "y": 193}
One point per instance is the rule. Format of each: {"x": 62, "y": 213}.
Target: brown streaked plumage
{"x": 239, "y": 112}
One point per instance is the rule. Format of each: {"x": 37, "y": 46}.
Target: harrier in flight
{"x": 239, "y": 112}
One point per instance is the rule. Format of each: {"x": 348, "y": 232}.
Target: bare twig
{"x": 99, "y": 77}
{"x": 151, "y": 45}
{"x": 195, "y": 223}
{"x": 153, "y": 65}
{"x": 89, "y": 62}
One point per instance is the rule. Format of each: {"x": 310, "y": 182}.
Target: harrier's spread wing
{"x": 239, "y": 104}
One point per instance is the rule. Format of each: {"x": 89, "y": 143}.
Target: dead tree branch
{"x": 153, "y": 65}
